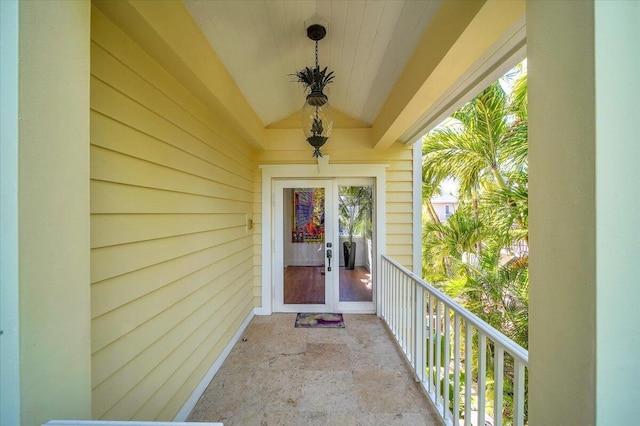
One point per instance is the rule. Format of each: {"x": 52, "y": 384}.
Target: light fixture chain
{"x": 316, "y": 53}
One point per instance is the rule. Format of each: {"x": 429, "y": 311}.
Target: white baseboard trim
{"x": 199, "y": 390}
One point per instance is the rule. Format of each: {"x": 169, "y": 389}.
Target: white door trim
{"x": 310, "y": 171}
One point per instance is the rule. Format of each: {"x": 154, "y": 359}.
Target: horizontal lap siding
{"x": 172, "y": 260}
{"x": 399, "y": 212}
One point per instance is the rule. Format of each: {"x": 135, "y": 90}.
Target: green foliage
{"x": 479, "y": 256}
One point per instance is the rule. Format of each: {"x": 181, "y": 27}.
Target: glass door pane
{"x": 355, "y": 209}
{"x": 304, "y": 246}
{"x": 304, "y": 274}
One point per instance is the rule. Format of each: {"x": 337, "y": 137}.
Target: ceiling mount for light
{"x": 316, "y": 113}
{"x": 316, "y": 32}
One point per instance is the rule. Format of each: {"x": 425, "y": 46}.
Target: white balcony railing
{"x": 447, "y": 346}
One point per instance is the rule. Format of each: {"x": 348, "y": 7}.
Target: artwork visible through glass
{"x": 308, "y": 215}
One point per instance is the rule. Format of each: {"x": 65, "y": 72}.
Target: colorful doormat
{"x": 319, "y": 321}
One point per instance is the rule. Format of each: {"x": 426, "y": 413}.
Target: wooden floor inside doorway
{"x": 305, "y": 285}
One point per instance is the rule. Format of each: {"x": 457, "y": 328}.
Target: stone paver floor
{"x": 283, "y": 375}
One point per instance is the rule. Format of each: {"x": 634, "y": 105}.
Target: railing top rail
{"x": 496, "y": 336}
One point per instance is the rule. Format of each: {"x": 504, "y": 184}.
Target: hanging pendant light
{"x": 317, "y": 121}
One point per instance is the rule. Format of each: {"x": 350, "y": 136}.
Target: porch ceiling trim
{"x": 168, "y": 33}
{"x": 462, "y": 33}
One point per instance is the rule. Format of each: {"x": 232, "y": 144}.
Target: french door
{"x": 312, "y": 269}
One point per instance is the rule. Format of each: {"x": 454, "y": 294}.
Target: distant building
{"x": 444, "y": 205}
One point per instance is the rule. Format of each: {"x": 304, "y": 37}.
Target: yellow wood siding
{"x": 399, "y": 215}
{"x": 173, "y": 265}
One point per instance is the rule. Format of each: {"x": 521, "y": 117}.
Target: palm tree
{"x": 487, "y": 143}
{"x": 431, "y": 181}
{"x": 470, "y": 256}
{"x": 447, "y": 245}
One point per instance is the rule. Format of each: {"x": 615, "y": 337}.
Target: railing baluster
{"x": 518, "y": 393}
{"x": 400, "y": 319}
{"x": 438, "y": 353}
{"x": 399, "y": 308}
{"x": 394, "y": 298}
{"x": 467, "y": 374}
{"x": 414, "y": 305}
{"x": 414, "y": 322}
{"x": 405, "y": 315}
{"x": 446, "y": 362}
{"x": 420, "y": 331}
{"x": 498, "y": 377}
{"x": 482, "y": 377}
{"x": 456, "y": 370}
{"x": 382, "y": 286}
{"x": 431, "y": 345}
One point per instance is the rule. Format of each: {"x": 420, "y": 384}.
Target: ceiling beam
{"x": 168, "y": 33}
{"x": 459, "y": 35}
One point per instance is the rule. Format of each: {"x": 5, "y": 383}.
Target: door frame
{"x": 323, "y": 169}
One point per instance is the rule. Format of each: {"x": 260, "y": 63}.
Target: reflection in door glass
{"x": 356, "y": 248}
{"x": 304, "y": 234}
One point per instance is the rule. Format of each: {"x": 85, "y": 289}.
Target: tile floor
{"x": 283, "y": 375}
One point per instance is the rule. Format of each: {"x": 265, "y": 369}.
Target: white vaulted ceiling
{"x": 261, "y": 43}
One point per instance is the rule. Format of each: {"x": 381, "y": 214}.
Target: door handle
{"x": 329, "y": 255}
